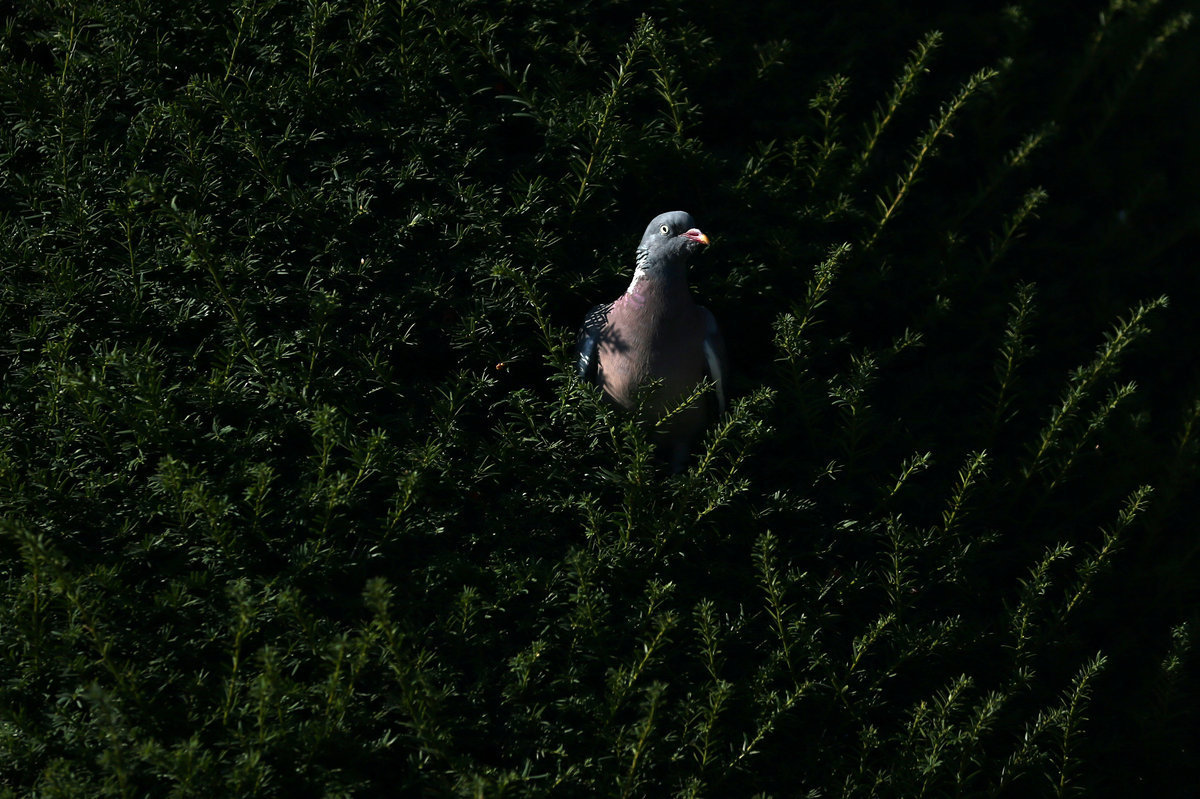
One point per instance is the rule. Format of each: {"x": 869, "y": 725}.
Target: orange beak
{"x": 695, "y": 235}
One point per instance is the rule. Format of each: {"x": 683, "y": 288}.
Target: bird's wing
{"x": 588, "y": 346}
{"x": 716, "y": 358}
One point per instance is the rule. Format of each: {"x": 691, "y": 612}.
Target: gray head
{"x": 668, "y": 243}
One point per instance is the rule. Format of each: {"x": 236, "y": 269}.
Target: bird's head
{"x": 669, "y": 240}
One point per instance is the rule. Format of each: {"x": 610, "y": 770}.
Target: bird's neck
{"x": 656, "y": 286}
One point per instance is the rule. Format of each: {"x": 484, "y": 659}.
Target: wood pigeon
{"x": 655, "y": 331}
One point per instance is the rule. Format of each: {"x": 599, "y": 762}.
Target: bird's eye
{"x": 665, "y": 230}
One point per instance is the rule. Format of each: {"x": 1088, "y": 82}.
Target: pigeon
{"x": 655, "y": 331}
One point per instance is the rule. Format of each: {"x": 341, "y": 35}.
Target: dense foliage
{"x": 299, "y": 495}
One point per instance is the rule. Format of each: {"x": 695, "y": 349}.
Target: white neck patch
{"x": 638, "y": 274}
{"x": 639, "y": 271}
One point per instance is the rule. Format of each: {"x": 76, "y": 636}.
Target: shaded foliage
{"x": 300, "y": 497}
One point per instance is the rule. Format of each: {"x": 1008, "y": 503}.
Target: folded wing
{"x": 588, "y": 344}
{"x": 715, "y": 358}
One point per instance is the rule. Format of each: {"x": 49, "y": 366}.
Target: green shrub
{"x": 300, "y": 496}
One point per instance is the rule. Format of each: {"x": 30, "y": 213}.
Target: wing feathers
{"x": 587, "y": 345}
{"x": 716, "y": 359}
